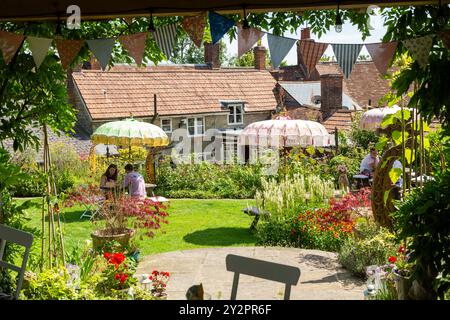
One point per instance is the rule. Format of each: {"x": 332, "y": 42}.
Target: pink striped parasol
{"x": 371, "y": 120}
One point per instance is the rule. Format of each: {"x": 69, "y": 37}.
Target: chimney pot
{"x": 260, "y": 57}
{"x": 331, "y": 93}
{"x": 212, "y": 55}
{"x": 305, "y": 34}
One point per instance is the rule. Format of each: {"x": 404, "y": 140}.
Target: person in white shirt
{"x": 135, "y": 181}
{"x": 369, "y": 163}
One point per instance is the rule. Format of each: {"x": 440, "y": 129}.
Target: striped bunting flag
{"x": 165, "y": 38}
{"x": 311, "y": 52}
{"x": 9, "y": 44}
{"x": 279, "y": 47}
{"x": 419, "y": 49}
{"x": 219, "y": 25}
{"x": 381, "y": 54}
{"x": 102, "y": 49}
{"x": 346, "y": 55}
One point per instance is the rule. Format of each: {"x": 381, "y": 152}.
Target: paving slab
{"x": 322, "y": 277}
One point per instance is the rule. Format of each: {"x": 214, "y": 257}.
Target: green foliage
{"x": 207, "y": 180}
{"x": 371, "y": 245}
{"x": 361, "y": 138}
{"x": 422, "y": 220}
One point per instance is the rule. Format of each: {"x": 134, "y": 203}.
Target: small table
{"x": 361, "y": 180}
{"x": 255, "y": 211}
{"x": 149, "y": 187}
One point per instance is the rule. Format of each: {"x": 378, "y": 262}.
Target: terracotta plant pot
{"x": 101, "y": 237}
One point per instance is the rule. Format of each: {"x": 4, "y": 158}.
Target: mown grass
{"x": 192, "y": 224}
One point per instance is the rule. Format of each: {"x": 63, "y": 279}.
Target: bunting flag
{"x": 39, "y": 48}
{"x": 195, "y": 28}
{"x": 382, "y": 54}
{"x": 68, "y": 50}
{"x": 247, "y": 39}
{"x": 346, "y": 55}
{"x": 135, "y": 45}
{"x": 102, "y": 49}
{"x": 219, "y": 25}
{"x": 445, "y": 36}
{"x": 165, "y": 38}
{"x": 311, "y": 52}
{"x": 9, "y": 44}
{"x": 279, "y": 47}
{"x": 419, "y": 49}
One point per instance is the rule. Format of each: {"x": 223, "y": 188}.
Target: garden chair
{"x": 257, "y": 213}
{"x": 262, "y": 269}
{"x": 25, "y": 239}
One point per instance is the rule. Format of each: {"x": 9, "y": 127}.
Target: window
{"x": 236, "y": 114}
{"x": 195, "y": 126}
{"x": 166, "y": 125}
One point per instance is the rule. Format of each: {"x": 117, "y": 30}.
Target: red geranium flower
{"x": 392, "y": 259}
{"x": 117, "y": 276}
{"x": 401, "y": 249}
{"x": 117, "y": 258}
{"x": 107, "y": 255}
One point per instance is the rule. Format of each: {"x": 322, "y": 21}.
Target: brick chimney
{"x": 330, "y": 93}
{"x": 260, "y": 57}
{"x": 305, "y": 34}
{"x": 212, "y": 55}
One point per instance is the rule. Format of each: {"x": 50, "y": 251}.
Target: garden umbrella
{"x": 284, "y": 132}
{"x": 130, "y": 132}
{"x": 371, "y": 120}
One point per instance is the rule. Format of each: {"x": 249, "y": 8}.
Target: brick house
{"x": 196, "y": 98}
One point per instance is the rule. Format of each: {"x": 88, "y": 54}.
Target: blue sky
{"x": 349, "y": 34}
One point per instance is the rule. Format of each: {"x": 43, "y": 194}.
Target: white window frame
{"x": 171, "y": 128}
{"x": 196, "y": 133}
{"x": 234, "y": 105}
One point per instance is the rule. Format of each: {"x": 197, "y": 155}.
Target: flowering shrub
{"x": 159, "y": 281}
{"x": 400, "y": 263}
{"x": 85, "y": 194}
{"x": 119, "y": 271}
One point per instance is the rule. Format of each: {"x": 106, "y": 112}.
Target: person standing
{"x": 135, "y": 183}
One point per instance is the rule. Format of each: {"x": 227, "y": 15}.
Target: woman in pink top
{"x": 135, "y": 182}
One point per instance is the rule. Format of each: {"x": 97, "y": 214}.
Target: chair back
{"x": 262, "y": 269}
{"x": 24, "y": 239}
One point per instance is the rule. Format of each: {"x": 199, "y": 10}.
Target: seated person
{"x": 109, "y": 178}
{"x": 369, "y": 163}
{"x": 135, "y": 181}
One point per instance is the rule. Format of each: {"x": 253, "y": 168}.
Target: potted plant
{"x": 401, "y": 271}
{"x": 118, "y": 274}
{"x": 159, "y": 283}
{"x": 119, "y": 217}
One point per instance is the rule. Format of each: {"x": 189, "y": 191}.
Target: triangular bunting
{"x": 219, "y": 25}
{"x": 279, "y": 47}
{"x": 165, "y": 38}
{"x": 247, "y": 38}
{"x": 382, "y": 54}
{"x": 419, "y": 48}
{"x": 135, "y": 45}
{"x": 102, "y": 49}
{"x": 39, "y": 49}
{"x": 68, "y": 50}
{"x": 9, "y": 44}
{"x": 445, "y": 36}
{"x": 311, "y": 52}
{"x": 195, "y": 28}
{"x": 346, "y": 56}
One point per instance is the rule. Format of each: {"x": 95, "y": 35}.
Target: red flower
{"x": 117, "y": 258}
{"x": 392, "y": 259}
{"x": 107, "y": 255}
{"x": 117, "y": 276}
{"x": 401, "y": 249}
{"x": 151, "y": 278}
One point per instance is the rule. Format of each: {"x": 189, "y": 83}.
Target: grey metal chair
{"x": 262, "y": 269}
{"x": 25, "y": 239}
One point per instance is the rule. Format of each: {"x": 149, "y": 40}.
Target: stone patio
{"x": 322, "y": 277}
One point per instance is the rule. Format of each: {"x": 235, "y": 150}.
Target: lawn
{"x": 192, "y": 224}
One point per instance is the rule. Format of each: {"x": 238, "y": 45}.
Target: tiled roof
{"x": 117, "y": 93}
{"x": 340, "y": 119}
{"x": 364, "y": 83}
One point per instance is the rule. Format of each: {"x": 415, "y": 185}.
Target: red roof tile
{"x": 117, "y": 93}
{"x": 340, "y": 119}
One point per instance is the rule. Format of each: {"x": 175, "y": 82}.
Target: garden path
{"x": 322, "y": 277}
